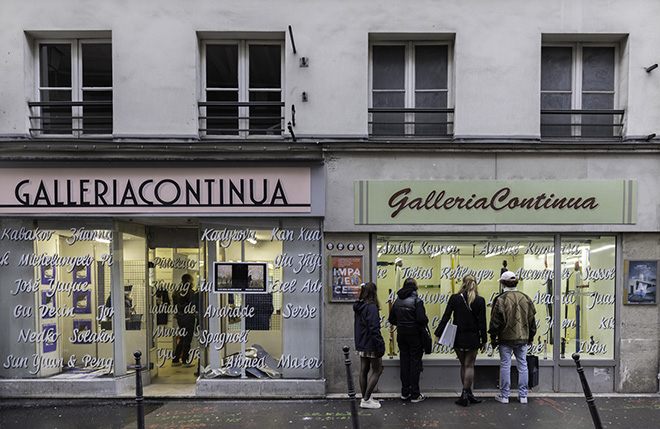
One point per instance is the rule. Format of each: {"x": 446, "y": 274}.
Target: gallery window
{"x": 583, "y": 322}
{"x": 242, "y": 89}
{"x": 410, "y": 90}
{"x": 74, "y": 88}
{"x": 578, "y": 91}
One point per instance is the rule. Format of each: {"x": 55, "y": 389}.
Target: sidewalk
{"x": 542, "y": 412}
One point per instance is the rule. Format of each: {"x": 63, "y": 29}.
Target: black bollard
{"x": 139, "y": 398}
{"x": 587, "y": 393}
{"x": 351, "y": 390}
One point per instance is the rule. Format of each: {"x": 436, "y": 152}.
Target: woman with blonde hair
{"x": 469, "y": 313}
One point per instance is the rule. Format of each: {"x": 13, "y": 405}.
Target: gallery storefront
{"x": 214, "y": 274}
{"x": 564, "y": 239}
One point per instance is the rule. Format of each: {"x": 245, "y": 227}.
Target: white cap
{"x": 507, "y": 276}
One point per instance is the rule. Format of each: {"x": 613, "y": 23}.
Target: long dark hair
{"x": 369, "y": 294}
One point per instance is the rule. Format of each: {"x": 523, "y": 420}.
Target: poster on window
{"x": 346, "y": 274}
{"x": 640, "y": 282}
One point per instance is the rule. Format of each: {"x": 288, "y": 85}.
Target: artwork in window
{"x": 47, "y": 274}
{"x": 82, "y": 327}
{"x": 48, "y": 302}
{"x": 50, "y": 338}
{"x": 82, "y": 274}
{"x": 82, "y": 302}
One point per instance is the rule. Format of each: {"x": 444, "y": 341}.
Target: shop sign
{"x": 496, "y": 202}
{"x": 155, "y": 190}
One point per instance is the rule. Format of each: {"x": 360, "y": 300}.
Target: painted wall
{"x": 496, "y": 64}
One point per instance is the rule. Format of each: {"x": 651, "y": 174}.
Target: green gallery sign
{"x": 495, "y": 202}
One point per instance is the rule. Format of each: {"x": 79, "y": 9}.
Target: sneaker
{"x": 502, "y": 399}
{"x": 405, "y": 397}
{"x": 369, "y": 403}
{"x": 420, "y": 398}
{"x": 523, "y": 399}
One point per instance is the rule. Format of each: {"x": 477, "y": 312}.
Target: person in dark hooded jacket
{"x": 368, "y": 342}
{"x": 409, "y": 316}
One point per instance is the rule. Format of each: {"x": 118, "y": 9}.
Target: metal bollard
{"x": 587, "y": 393}
{"x": 351, "y": 390}
{"x": 139, "y": 398}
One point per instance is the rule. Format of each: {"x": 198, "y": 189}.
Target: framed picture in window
{"x": 50, "y": 338}
{"x": 48, "y": 303}
{"x": 82, "y": 274}
{"x": 47, "y": 274}
{"x": 640, "y": 279}
{"x": 82, "y": 302}
{"x": 82, "y": 327}
{"x": 346, "y": 275}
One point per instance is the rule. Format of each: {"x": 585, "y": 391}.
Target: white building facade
{"x": 282, "y": 155}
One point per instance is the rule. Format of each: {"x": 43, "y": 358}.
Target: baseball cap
{"x": 507, "y": 276}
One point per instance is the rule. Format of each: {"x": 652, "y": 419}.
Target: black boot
{"x": 463, "y": 400}
{"x": 471, "y": 397}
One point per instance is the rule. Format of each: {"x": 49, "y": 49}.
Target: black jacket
{"x": 471, "y": 325}
{"x": 408, "y": 313}
{"x": 367, "y": 328}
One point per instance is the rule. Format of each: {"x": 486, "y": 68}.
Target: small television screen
{"x": 240, "y": 277}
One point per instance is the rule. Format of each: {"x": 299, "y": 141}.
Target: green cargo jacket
{"x": 512, "y": 320}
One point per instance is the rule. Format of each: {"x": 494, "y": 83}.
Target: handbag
{"x": 427, "y": 341}
{"x": 533, "y": 370}
{"x": 448, "y": 335}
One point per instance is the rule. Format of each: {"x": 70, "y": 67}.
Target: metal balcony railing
{"x": 241, "y": 118}
{"x": 411, "y": 122}
{"x": 582, "y": 123}
{"x": 72, "y": 118}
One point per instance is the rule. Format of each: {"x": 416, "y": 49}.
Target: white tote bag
{"x": 448, "y": 335}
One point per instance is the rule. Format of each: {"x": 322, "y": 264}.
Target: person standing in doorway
{"x": 185, "y": 317}
{"x": 369, "y": 342}
{"x": 409, "y": 316}
{"x": 512, "y": 326}
{"x": 469, "y": 311}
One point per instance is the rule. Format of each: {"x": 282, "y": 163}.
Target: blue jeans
{"x": 520, "y": 351}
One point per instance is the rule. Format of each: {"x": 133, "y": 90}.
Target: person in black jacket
{"x": 469, "y": 310}
{"x": 409, "y": 316}
{"x": 368, "y": 342}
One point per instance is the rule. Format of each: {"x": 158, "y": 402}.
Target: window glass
{"x": 265, "y": 69}
{"x": 55, "y": 64}
{"x": 388, "y": 67}
{"x": 278, "y": 328}
{"x": 598, "y": 69}
{"x": 588, "y": 297}
{"x": 556, "y": 65}
{"x": 97, "y": 64}
{"x": 431, "y": 67}
{"x": 222, "y": 66}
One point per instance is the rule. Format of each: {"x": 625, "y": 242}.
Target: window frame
{"x": 76, "y": 89}
{"x": 244, "y": 89}
{"x": 577, "y": 91}
{"x": 410, "y": 89}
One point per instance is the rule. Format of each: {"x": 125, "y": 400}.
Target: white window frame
{"x": 76, "y": 87}
{"x": 244, "y": 88}
{"x": 409, "y": 77}
{"x": 577, "y": 60}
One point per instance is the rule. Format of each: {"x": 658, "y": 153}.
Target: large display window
{"x": 585, "y": 293}
{"x": 262, "y": 311}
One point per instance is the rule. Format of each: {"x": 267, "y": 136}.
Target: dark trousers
{"x": 183, "y": 347}
{"x": 410, "y": 351}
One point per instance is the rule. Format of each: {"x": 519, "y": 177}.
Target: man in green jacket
{"x": 512, "y": 327}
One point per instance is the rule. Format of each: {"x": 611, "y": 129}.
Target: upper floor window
{"x": 74, "y": 88}
{"x": 242, "y": 89}
{"x": 410, "y": 90}
{"x": 578, "y": 91}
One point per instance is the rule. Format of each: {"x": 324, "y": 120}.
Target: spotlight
{"x": 651, "y": 68}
